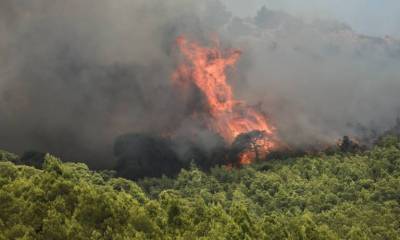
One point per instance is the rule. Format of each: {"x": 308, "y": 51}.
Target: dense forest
{"x": 319, "y": 196}
{"x": 209, "y": 119}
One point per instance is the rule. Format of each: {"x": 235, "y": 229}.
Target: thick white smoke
{"x": 75, "y": 74}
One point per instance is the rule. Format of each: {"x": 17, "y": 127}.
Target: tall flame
{"x": 206, "y": 68}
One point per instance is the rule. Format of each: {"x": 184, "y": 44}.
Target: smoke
{"x": 377, "y": 18}
{"x": 318, "y": 80}
{"x": 75, "y": 75}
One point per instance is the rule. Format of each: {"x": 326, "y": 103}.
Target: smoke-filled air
{"x": 76, "y": 75}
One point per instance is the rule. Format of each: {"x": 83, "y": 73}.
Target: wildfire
{"x": 206, "y": 69}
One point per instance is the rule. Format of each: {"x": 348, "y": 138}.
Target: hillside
{"x": 344, "y": 196}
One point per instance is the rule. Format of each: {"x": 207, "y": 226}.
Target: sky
{"x": 370, "y": 17}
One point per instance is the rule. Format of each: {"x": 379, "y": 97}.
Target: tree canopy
{"x": 342, "y": 196}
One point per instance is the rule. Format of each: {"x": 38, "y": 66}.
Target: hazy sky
{"x": 372, "y": 17}
{"x": 75, "y": 75}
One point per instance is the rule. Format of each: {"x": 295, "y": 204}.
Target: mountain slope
{"x": 315, "y": 197}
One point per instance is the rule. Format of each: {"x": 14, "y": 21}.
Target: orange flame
{"x": 229, "y": 117}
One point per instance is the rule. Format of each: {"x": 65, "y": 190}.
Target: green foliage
{"x": 6, "y": 156}
{"x": 344, "y": 196}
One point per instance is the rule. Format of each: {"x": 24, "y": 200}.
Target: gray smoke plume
{"x": 75, "y": 75}
{"x": 318, "y": 80}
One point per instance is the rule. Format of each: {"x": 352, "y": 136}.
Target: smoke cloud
{"x": 318, "y": 80}
{"x": 75, "y": 75}
{"x": 377, "y": 18}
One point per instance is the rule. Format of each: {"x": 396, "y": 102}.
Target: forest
{"x": 342, "y": 195}
{"x": 212, "y": 119}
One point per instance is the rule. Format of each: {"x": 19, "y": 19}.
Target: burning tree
{"x": 249, "y": 147}
{"x": 205, "y": 69}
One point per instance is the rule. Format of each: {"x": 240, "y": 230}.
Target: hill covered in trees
{"x": 340, "y": 196}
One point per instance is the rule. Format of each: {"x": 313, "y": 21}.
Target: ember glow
{"x": 206, "y": 69}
